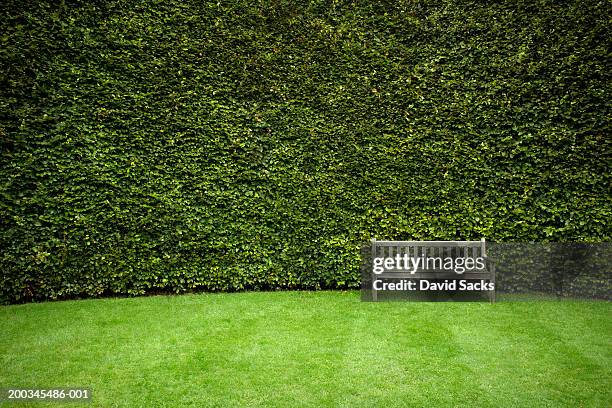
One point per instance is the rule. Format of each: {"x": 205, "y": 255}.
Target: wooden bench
{"x": 434, "y": 269}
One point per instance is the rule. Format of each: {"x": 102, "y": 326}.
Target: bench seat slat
{"x": 433, "y": 275}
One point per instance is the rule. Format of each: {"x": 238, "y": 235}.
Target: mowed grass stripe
{"x": 311, "y": 349}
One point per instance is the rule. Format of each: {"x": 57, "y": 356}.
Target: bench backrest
{"x": 433, "y": 255}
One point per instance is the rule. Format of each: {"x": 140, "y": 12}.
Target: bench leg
{"x": 494, "y": 284}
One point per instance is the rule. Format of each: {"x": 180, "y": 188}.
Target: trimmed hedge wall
{"x": 180, "y": 145}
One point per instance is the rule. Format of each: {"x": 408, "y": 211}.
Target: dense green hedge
{"x": 229, "y": 145}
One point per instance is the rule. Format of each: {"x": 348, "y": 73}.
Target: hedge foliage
{"x": 227, "y": 145}
{"x": 570, "y": 270}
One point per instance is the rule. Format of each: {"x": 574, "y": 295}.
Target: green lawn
{"x": 311, "y": 349}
